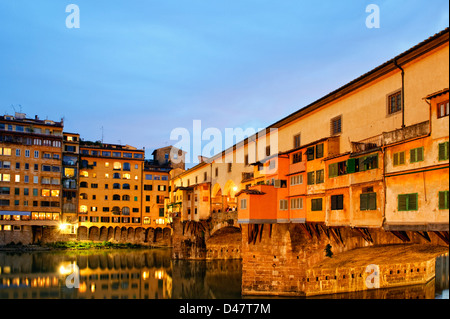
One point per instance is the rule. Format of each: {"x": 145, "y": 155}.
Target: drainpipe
{"x": 403, "y": 92}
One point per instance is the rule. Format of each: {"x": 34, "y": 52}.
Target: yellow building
{"x": 110, "y": 185}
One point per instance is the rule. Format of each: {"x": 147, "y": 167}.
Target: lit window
{"x": 83, "y": 209}
{"x": 17, "y": 178}
{"x": 117, "y": 165}
{"x": 55, "y": 192}
{"x": 45, "y": 192}
{"x": 84, "y": 174}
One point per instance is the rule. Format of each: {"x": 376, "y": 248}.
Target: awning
{"x": 13, "y": 212}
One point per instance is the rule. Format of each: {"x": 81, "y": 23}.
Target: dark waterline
{"x": 152, "y": 274}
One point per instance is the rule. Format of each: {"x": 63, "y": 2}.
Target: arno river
{"x": 151, "y": 274}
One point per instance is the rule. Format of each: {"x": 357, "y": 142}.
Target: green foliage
{"x": 82, "y": 245}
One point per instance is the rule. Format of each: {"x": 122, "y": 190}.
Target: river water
{"x": 151, "y": 274}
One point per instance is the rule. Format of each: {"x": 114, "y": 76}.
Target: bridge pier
{"x": 279, "y": 259}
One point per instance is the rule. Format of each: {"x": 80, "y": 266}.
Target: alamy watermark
{"x": 373, "y": 279}
{"x": 210, "y": 142}
{"x": 373, "y": 19}
{"x": 73, "y": 19}
{"x": 72, "y": 271}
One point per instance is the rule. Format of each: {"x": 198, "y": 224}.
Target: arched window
{"x": 83, "y": 209}
{"x": 83, "y": 196}
{"x": 126, "y": 197}
{"x": 125, "y": 210}
{"x": 126, "y": 166}
{"x": 116, "y": 197}
{"x": 116, "y": 210}
{"x": 117, "y": 165}
{"x": 126, "y": 186}
{"x": 84, "y": 184}
{"x": 116, "y": 175}
{"x": 116, "y": 186}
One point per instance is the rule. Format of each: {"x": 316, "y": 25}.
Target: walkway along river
{"x": 152, "y": 274}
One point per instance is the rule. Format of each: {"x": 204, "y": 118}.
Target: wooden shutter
{"x": 310, "y": 178}
{"x": 319, "y": 150}
{"x": 419, "y": 154}
{"x": 351, "y": 165}
{"x": 412, "y": 202}
{"x": 442, "y": 198}
{"x": 402, "y": 202}
{"x": 412, "y": 156}
{"x": 332, "y": 170}
{"x": 401, "y": 159}
{"x": 363, "y": 202}
{"x": 396, "y": 156}
{"x": 372, "y": 201}
{"x": 334, "y": 200}
{"x": 443, "y": 151}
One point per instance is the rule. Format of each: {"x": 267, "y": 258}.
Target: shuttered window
{"x": 319, "y": 150}
{"x": 283, "y": 204}
{"x": 443, "y": 200}
{"x": 407, "y": 202}
{"x": 333, "y": 170}
{"x": 368, "y": 201}
{"x": 399, "y": 158}
{"x": 316, "y": 204}
{"x": 311, "y": 178}
{"x": 310, "y": 153}
{"x": 336, "y": 125}
{"x": 337, "y": 202}
{"x": 351, "y": 165}
{"x": 416, "y": 155}
{"x": 319, "y": 176}
{"x": 443, "y": 151}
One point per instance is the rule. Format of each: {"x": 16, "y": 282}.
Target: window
{"x": 395, "y": 102}
{"x": 407, "y": 202}
{"x": 442, "y": 109}
{"x": 148, "y": 177}
{"x": 311, "y": 178}
{"x": 443, "y": 199}
{"x": 336, "y": 125}
{"x": 316, "y": 204}
{"x": 117, "y": 166}
{"x": 116, "y": 197}
{"x": 296, "y": 203}
{"x": 126, "y": 210}
{"x": 368, "y": 201}
{"x": 244, "y": 203}
{"x": 36, "y": 154}
{"x": 319, "y": 150}
{"x": 148, "y": 187}
{"x": 443, "y": 151}
{"x": 337, "y": 202}
{"x": 297, "y": 157}
{"x": 268, "y": 150}
{"x": 296, "y": 180}
{"x": 17, "y": 152}
{"x": 126, "y": 197}
{"x": 217, "y": 171}
{"x": 399, "y": 158}
{"x": 297, "y": 141}
{"x": 310, "y": 153}
{"x": 126, "y": 186}
{"x": 319, "y": 176}
{"x": 416, "y": 155}
{"x": 116, "y": 186}
{"x": 283, "y": 204}
{"x": 126, "y": 166}
{"x": 27, "y": 153}
{"x": 230, "y": 167}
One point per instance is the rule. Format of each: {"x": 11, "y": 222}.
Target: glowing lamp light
{"x": 235, "y": 188}
{"x": 63, "y": 226}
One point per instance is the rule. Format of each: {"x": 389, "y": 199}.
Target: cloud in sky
{"x": 142, "y": 68}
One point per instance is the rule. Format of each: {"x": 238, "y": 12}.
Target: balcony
{"x": 368, "y": 144}
{"x": 297, "y": 167}
{"x": 416, "y": 130}
{"x": 247, "y": 177}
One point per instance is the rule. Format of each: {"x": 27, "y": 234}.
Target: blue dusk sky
{"x": 140, "y": 68}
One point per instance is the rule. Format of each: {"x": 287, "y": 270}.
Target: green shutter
{"x": 351, "y": 166}
{"x": 412, "y": 156}
{"x": 443, "y": 151}
{"x": 372, "y": 201}
{"x": 396, "y": 158}
{"x": 443, "y": 200}
{"x": 420, "y": 154}
{"x": 402, "y": 202}
{"x": 363, "y": 202}
{"x": 412, "y": 202}
{"x": 332, "y": 170}
{"x": 401, "y": 159}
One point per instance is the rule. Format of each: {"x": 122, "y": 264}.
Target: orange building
{"x": 30, "y": 176}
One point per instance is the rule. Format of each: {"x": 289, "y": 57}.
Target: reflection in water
{"x": 151, "y": 274}
{"x": 138, "y": 274}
